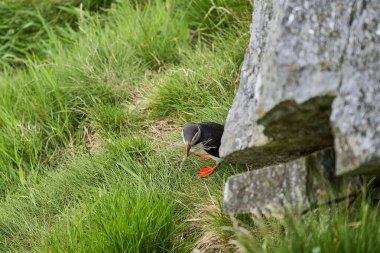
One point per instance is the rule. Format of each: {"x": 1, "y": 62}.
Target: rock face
{"x": 303, "y": 54}
{"x": 294, "y": 186}
{"x": 310, "y": 81}
{"x": 289, "y": 76}
{"x": 356, "y": 110}
{"x": 292, "y": 72}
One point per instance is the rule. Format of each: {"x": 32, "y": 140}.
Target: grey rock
{"x": 290, "y": 187}
{"x": 290, "y": 75}
{"x": 356, "y": 110}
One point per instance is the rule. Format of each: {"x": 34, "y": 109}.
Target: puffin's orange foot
{"x": 206, "y": 171}
{"x": 206, "y": 158}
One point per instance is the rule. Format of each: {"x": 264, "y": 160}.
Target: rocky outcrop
{"x": 289, "y": 76}
{"x": 310, "y": 80}
{"x": 295, "y": 186}
{"x": 356, "y": 110}
{"x": 302, "y": 54}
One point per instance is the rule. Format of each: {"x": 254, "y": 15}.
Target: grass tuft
{"x": 208, "y": 18}
{"x": 328, "y": 229}
{"x": 202, "y": 87}
{"x": 125, "y": 220}
{"x": 29, "y": 29}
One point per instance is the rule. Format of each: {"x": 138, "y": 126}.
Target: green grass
{"x": 208, "y": 19}
{"x": 128, "y": 167}
{"x": 124, "y": 220}
{"x": 29, "y": 29}
{"x": 203, "y": 86}
{"x": 341, "y": 228}
{"x": 90, "y": 146}
{"x": 48, "y": 109}
{"x": 156, "y": 34}
{"x": 82, "y": 100}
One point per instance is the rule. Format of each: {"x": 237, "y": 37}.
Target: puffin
{"x": 203, "y": 139}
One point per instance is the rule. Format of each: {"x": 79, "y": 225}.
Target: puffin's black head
{"x": 191, "y": 134}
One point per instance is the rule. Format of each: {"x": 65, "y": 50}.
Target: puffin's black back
{"x": 211, "y": 135}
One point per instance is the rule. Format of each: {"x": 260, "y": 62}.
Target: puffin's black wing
{"x": 211, "y": 135}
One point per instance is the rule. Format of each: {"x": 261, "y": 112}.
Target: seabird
{"x": 204, "y": 140}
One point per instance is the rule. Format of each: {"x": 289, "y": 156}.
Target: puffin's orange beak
{"x": 188, "y": 147}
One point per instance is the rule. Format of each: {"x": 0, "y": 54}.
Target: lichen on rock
{"x": 289, "y": 76}
{"x": 310, "y": 81}
{"x": 289, "y": 187}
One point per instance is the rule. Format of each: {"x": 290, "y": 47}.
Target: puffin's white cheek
{"x": 196, "y": 137}
{"x": 183, "y": 137}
